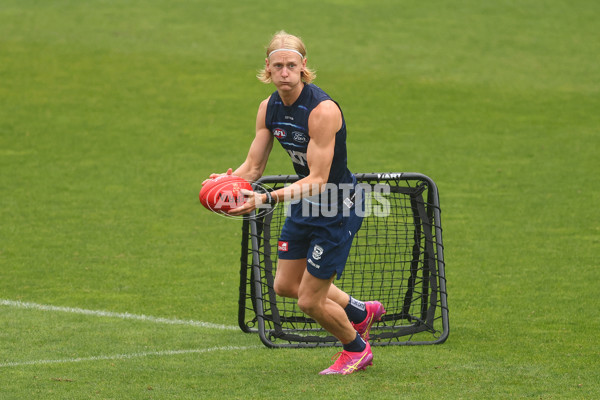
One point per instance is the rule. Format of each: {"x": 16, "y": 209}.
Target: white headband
{"x": 292, "y": 50}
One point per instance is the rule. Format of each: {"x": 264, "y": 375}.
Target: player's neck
{"x": 289, "y": 97}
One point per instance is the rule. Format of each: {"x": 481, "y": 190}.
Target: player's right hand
{"x": 213, "y": 176}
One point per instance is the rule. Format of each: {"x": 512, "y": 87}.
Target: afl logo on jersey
{"x": 279, "y": 133}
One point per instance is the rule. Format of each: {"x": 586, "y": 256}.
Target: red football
{"x": 223, "y": 193}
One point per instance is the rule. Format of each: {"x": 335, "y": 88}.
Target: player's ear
{"x": 267, "y": 66}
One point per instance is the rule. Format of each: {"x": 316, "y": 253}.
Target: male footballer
{"x": 313, "y": 247}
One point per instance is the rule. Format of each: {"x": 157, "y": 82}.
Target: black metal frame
{"x": 256, "y": 280}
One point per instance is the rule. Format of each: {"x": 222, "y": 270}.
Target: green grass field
{"x": 112, "y": 113}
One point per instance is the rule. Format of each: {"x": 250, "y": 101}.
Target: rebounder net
{"x": 396, "y": 258}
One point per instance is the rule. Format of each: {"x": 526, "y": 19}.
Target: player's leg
{"x": 293, "y": 280}
{"x": 292, "y": 250}
{"x": 372, "y": 312}
{"x": 362, "y": 314}
{"x": 288, "y": 277}
{"x": 313, "y": 300}
{"x": 287, "y": 281}
{"x": 326, "y": 257}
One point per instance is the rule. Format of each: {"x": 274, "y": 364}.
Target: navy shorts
{"x": 324, "y": 241}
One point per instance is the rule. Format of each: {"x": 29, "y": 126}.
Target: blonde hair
{"x": 283, "y": 40}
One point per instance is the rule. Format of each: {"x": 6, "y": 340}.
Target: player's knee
{"x": 308, "y": 305}
{"x": 285, "y": 290}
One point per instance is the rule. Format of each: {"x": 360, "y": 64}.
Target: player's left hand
{"x": 253, "y": 201}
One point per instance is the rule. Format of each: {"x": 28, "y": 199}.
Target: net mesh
{"x": 396, "y": 258}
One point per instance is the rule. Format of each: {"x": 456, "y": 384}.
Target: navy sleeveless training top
{"x": 289, "y": 124}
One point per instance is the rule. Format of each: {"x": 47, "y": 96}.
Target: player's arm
{"x": 323, "y": 124}
{"x": 258, "y": 154}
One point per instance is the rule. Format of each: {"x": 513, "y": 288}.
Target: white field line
{"x": 125, "y": 356}
{"x": 110, "y": 314}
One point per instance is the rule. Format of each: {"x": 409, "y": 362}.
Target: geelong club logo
{"x": 299, "y": 137}
{"x": 317, "y": 252}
